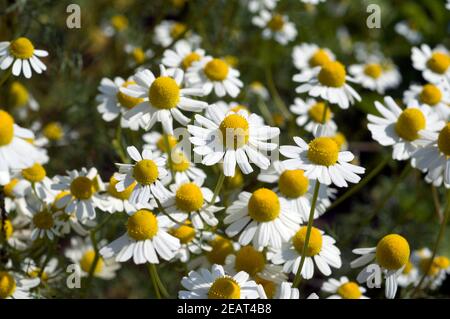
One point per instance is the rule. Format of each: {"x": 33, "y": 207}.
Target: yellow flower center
{"x": 18, "y": 94}
{"x": 293, "y": 183}
{"x": 8, "y": 189}
{"x": 220, "y": 248}
{"x": 119, "y": 22}
{"x": 184, "y": 233}
{"x": 189, "y": 59}
{"x": 43, "y": 220}
{"x": 53, "y": 131}
{"x": 231, "y": 60}
{"x": 21, "y": 48}
{"x": 374, "y": 70}
{"x": 424, "y": 265}
{"x": 319, "y": 58}
{"x": 439, "y": 62}
{"x": 142, "y": 225}
{"x": 332, "y": 74}
{"x": 138, "y": 55}
{"x": 442, "y": 262}
{"x": 8, "y": 228}
{"x": 270, "y": 287}
{"x": 276, "y": 23}
{"x": 82, "y": 188}
{"x": 35, "y": 274}
{"x": 430, "y": 94}
{"x": 35, "y": 173}
{"x": 180, "y": 163}
{"x": 177, "y": 30}
{"x": 125, "y": 195}
{"x": 234, "y": 130}
{"x": 264, "y": 205}
{"x": 145, "y": 172}
{"x": 409, "y": 123}
{"x": 6, "y": 128}
{"x": 189, "y": 197}
{"x": 316, "y": 112}
{"x": 87, "y": 261}
{"x": 340, "y": 139}
{"x": 161, "y": 144}
{"x": 349, "y": 290}
{"x": 216, "y": 70}
{"x": 249, "y": 260}
{"x": 164, "y": 93}
{"x": 57, "y": 198}
{"x": 128, "y": 101}
{"x": 444, "y": 140}
{"x": 323, "y": 151}
{"x": 408, "y": 268}
{"x": 224, "y": 288}
{"x": 235, "y": 181}
{"x": 314, "y": 244}
{"x": 392, "y": 252}
{"x": 7, "y": 285}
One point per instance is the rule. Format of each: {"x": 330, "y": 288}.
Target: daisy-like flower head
{"x": 258, "y": 89}
{"x": 191, "y": 241}
{"x": 436, "y": 272}
{"x": 409, "y": 275}
{"x": 391, "y": 254}
{"x": 183, "y": 168}
{"x": 115, "y": 201}
{"x": 322, "y": 160}
{"x": 82, "y": 196}
{"x": 82, "y": 253}
{"x": 220, "y": 248}
{"x": 285, "y": 291}
{"x": 182, "y": 57}
{"x": 311, "y": 114}
{"x": 276, "y": 26}
{"x": 146, "y": 173}
{"x": 45, "y": 275}
{"x": 216, "y": 284}
{"x": 147, "y": 237}
{"x": 329, "y": 82}
{"x": 37, "y": 182}
{"x": 408, "y": 30}
{"x": 297, "y": 189}
{"x": 214, "y": 73}
{"x": 157, "y": 143}
{"x": 168, "y": 31}
{"x": 435, "y": 95}
{"x": 309, "y": 55}
{"x": 21, "y": 54}
{"x": 376, "y": 76}
{"x": 138, "y": 54}
{"x": 44, "y": 222}
{"x": 434, "y": 156}
{"x": 321, "y": 250}
{"x": 262, "y": 218}
{"x": 14, "y": 286}
{"x": 189, "y": 200}
{"x": 402, "y": 128}
{"x": 258, "y": 5}
{"x": 15, "y": 151}
{"x": 21, "y": 100}
{"x": 13, "y": 232}
{"x": 234, "y": 137}
{"x": 114, "y": 103}
{"x": 434, "y": 64}
{"x": 163, "y": 98}
{"x": 342, "y": 288}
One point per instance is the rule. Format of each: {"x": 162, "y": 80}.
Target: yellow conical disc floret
{"x": 177, "y": 30}
{"x": 119, "y": 22}
{"x": 189, "y": 59}
{"x": 8, "y": 189}
{"x": 249, "y": 260}
{"x": 264, "y": 205}
{"x": 392, "y": 252}
{"x": 53, "y": 131}
{"x": 180, "y": 162}
{"x": 216, "y": 70}
{"x": 87, "y": 260}
{"x": 430, "y": 94}
{"x": 189, "y": 197}
{"x": 409, "y": 123}
{"x": 161, "y": 144}
{"x": 128, "y": 101}
{"x": 7, "y": 285}
{"x": 35, "y": 173}
{"x": 43, "y": 220}
{"x": 332, "y": 74}
{"x": 142, "y": 225}
{"x": 224, "y": 288}
{"x": 82, "y": 188}
{"x": 276, "y": 23}
{"x": 184, "y": 233}
{"x": 316, "y": 112}
{"x": 8, "y": 229}
{"x": 221, "y": 247}
{"x": 21, "y": 48}
{"x": 293, "y": 183}
{"x": 145, "y": 172}
{"x": 373, "y": 70}
{"x": 6, "y": 128}
{"x": 164, "y": 93}
{"x": 444, "y": 140}
{"x": 319, "y": 58}
{"x": 315, "y": 241}
{"x": 124, "y": 195}
{"x": 18, "y": 94}
{"x": 323, "y": 151}
{"x": 439, "y": 62}
{"x": 234, "y": 130}
{"x": 349, "y": 290}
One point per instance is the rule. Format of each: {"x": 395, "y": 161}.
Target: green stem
{"x": 117, "y": 144}
{"x": 436, "y": 245}
{"x": 94, "y": 262}
{"x": 169, "y": 153}
{"x": 437, "y": 206}
{"x": 361, "y": 184}
{"x": 298, "y": 276}
{"x": 5, "y": 76}
{"x": 160, "y": 284}
{"x": 264, "y": 109}
{"x": 218, "y": 188}
{"x": 155, "y": 278}
{"x": 276, "y": 96}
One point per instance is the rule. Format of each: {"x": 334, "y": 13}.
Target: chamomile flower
{"x": 286, "y": 291}
{"x": 220, "y": 246}
{"x": 182, "y": 56}
{"x": 214, "y": 73}
{"x": 182, "y": 168}
{"x": 297, "y": 189}
{"x": 14, "y": 193}
{"x": 307, "y": 56}
{"x": 261, "y": 217}
{"x": 258, "y": 5}
{"x": 37, "y": 182}
{"x": 328, "y": 82}
{"x": 191, "y": 241}
{"x": 407, "y": 30}
{"x": 436, "y": 272}
{"x": 21, "y": 99}
{"x": 435, "y": 95}
{"x": 216, "y": 284}
{"x": 189, "y": 200}
{"x": 147, "y": 237}
{"x": 82, "y": 253}
{"x": 46, "y": 275}
{"x": 434, "y": 63}
{"x": 376, "y": 76}
{"x": 138, "y": 54}
{"x": 322, "y": 160}
{"x": 169, "y": 31}
{"x": 114, "y": 103}
{"x": 311, "y": 114}
{"x": 15, "y": 151}
{"x": 234, "y": 137}
{"x": 409, "y": 275}
{"x": 276, "y": 26}
{"x": 117, "y": 24}
{"x": 115, "y": 201}
{"x": 82, "y": 196}
{"x": 44, "y": 222}
{"x": 16, "y": 231}
{"x": 314, "y": 2}
{"x": 146, "y": 174}
{"x": 257, "y": 89}
{"x": 15, "y": 286}
{"x": 21, "y": 54}
{"x": 391, "y": 254}
{"x": 163, "y": 99}
{"x": 434, "y": 156}
{"x": 321, "y": 251}
{"x": 343, "y": 288}
{"x": 402, "y": 128}
{"x": 157, "y": 142}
